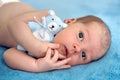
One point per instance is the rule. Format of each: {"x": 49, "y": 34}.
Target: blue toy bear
{"x": 47, "y": 29}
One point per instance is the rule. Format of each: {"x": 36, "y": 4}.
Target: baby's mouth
{"x": 63, "y": 50}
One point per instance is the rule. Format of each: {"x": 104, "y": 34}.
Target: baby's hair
{"x": 106, "y": 35}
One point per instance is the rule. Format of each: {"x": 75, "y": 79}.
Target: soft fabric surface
{"x": 107, "y": 68}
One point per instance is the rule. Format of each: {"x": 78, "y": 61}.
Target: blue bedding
{"x": 107, "y": 68}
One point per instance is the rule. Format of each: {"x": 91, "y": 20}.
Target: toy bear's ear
{"x": 51, "y": 12}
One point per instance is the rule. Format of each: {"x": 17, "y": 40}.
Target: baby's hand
{"x": 46, "y": 45}
{"x": 50, "y": 62}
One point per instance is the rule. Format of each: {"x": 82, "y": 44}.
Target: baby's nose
{"x": 76, "y": 48}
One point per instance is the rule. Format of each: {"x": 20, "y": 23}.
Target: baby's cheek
{"x": 77, "y": 60}
{"x": 74, "y": 60}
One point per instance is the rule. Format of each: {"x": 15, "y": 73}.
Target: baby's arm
{"x": 20, "y": 31}
{"x": 18, "y": 60}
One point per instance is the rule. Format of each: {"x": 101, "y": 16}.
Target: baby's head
{"x": 84, "y": 40}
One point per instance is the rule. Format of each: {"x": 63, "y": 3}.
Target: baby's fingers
{"x": 55, "y": 56}
{"x": 49, "y": 53}
{"x": 63, "y": 62}
{"x": 61, "y": 56}
{"x": 54, "y": 45}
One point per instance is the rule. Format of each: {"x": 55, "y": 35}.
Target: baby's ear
{"x": 69, "y": 21}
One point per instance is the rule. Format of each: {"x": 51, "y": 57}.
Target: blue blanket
{"x": 107, "y": 68}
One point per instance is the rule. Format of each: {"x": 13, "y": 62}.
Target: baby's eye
{"x": 83, "y": 55}
{"x": 81, "y": 36}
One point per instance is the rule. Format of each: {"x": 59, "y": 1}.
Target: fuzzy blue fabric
{"x": 107, "y": 68}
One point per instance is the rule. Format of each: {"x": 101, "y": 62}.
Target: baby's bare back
{"x": 7, "y": 13}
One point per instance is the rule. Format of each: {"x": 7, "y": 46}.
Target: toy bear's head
{"x": 53, "y": 23}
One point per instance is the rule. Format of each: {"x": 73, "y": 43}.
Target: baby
{"x": 84, "y": 40}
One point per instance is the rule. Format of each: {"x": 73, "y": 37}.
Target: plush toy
{"x": 47, "y": 29}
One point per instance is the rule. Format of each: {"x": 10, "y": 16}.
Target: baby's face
{"x": 80, "y": 42}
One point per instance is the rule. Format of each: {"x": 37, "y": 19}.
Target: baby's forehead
{"x": 97, "y": 55}
{"x": 96, "y": 39}
{"x": 102, "y": 34}
{"x": 94, "y": 24}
